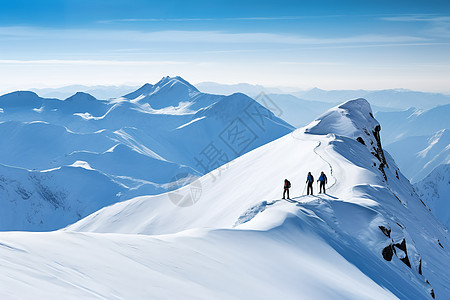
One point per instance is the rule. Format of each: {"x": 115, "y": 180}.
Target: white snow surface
{"x": 229, "y": 235}
{"x": 434, "y": 190}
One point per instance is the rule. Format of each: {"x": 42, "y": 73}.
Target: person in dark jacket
{"x": 322, "y": 181}
{"x": 309, "y": 181}
{"x": 287, "y": 186}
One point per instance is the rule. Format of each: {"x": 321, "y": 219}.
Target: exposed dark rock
{"x": 423, "y": 202}
{"x": 402, "y": 246}
{"x": 371, "y": 115}
{"x": 398, "y": 199}
{"x": 359, "y": 139}
{"x": 23, "y": 193}
{"x": 401, "y": 226}
{"x": 405, "y": 260}
{"x": 396, "y": 174}
{"x": 388, "y": 252}
{"x": 56, "y": 198}
{"x": 379, "y": 153}
{"x": 420, "y": 267}
{"x": 439, "y": 242}
{"x": 431, "y": 291}
{"x": 381, "y": 168}
{"x": 386, "y": 231}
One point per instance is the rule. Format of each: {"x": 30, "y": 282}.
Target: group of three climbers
{"x": 309, "y": 182}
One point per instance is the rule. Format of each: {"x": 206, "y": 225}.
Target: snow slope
{"x": 148, "y": 141}
{"x": 417, "y": 139}
{"x": 199, "y": 264}
{"x": 49, "y": 200}
{"x": 434, "y": 190}
{"x": 371, "y": 218}
{"x": 413, "y": 122}
{"x": 418, "y": 156}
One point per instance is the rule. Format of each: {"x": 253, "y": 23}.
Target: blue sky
{"x": 328, "y": 44}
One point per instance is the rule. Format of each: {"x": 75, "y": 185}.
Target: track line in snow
{"x": 328, "y": 163}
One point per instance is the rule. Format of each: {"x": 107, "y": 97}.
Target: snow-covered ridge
{"x": 369, "y": 216}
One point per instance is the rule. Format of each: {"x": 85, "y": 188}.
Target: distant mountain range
{"x": 434, "y": 190}
{"x": 146, "y": 142}
{"x": 418, "y": 139}
{"x": 387, "y": 99}
{"x": 393, "y": 99}
{"x": 98, "y": 91}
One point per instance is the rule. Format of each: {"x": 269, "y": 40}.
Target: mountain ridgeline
{"x": 142, "y": 143}
{"x": 177, "y": 191}
{"x": 371, "y": 215}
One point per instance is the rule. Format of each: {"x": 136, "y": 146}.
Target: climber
{"x": 287, "y": 185}
{"x": 309, "y": 181}
{"x": 322, "y": 181}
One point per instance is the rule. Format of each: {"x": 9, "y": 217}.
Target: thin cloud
{"x": 417, "y": 18}
{"x": 439, "y": 26}
{"x": 88, "y": 62}
{"x": 207, "y": 37}
{"x": 281, "y": 18}
{"x": 305, "y": 63}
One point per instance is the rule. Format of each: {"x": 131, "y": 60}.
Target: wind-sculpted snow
{"x": 370, "y": 216}
{"x": 349, "y": 119}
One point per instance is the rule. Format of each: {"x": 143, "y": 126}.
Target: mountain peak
{"x": 21, "y": 94}
{"x": 167, "y": 83}
{"x": 171, "y": 82}
{"x": 81, "y": 96}
{"x": 20, "y": 99}
{"x": 353, "y": 119}
{"x": 348, "y": 119}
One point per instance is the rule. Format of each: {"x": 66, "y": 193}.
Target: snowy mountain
{"x": 98, "y": 91}
{"x": 51, "y": 199}
{"x": 393, "y": 98}
{"x": 369, "y": 237}
{"x": 253, "y": 90}
{"x": 414, "y": 122}
{"x": 417, "y": 156}
{"x": 434, "y": 190}
{"x": 146, "y": 142}
{"x": 417, "y": 139}
{"x": 297, "y": 111}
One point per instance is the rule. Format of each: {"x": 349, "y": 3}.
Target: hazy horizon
{"x": 333, "y": 46}
{"x": 283, "y": 89}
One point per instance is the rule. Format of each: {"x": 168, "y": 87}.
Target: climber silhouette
{"x": 287, "y": 186}
{"x": 322, "y": 181}
{"x": 309, "y": 181}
